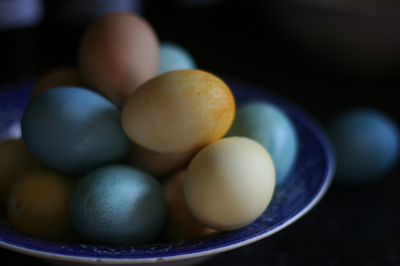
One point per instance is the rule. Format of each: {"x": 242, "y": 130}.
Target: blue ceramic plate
{"x": 307, "y": 183}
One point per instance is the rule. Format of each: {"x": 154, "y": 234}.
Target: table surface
{"x": 352, "y": 225}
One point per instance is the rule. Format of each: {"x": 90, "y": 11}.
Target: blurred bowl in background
{"x": 355, "y": 37}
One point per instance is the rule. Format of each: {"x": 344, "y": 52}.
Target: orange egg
{"x": 156, "y": 163}
{"x": 39, "y": 203}
{"x": 180, "y": 223}
{"x": 15, "y": 160}
{"x": 118, "y": 53}
{"x": 179, "y": 111}
{"x": 65, "y": 76}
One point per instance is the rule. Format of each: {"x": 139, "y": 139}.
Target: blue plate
{"x": 307, "y": 183}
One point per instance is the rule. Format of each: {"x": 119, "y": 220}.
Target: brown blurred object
{"x": 156, "y": 163}
{"x": 180, "y": 223}
{"x": 63, "y": 76}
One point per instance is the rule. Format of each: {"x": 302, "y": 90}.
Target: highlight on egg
{"x": 179, "y": 111}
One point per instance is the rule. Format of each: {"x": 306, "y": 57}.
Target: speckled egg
{"x": 272, "y": 128}
{"x": 118, "y": 205}
{"x": 366, "y": 143}
{"x": 180, "y": 111}
{"x": 73, "y": 129}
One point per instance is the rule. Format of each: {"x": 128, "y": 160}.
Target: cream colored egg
{"x": 117, "y": 54}
{"x": 229, "y": 183}
{"x": 179, "y": 111}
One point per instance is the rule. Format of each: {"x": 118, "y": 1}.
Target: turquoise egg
{"x": 174, "y": 57}
{"x": 273, "y": 129}
{"x": 366, "y": 144}
{"x": 74, "y": 130}
{"x": 118, "y": 205}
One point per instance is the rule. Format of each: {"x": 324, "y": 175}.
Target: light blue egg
{"x": 366, "y": 143}
{"x": 174, "y": 57}
{"x": 118, "y": 205}
{"x": 74, "y": 130}
{"x": 273, "y": 129}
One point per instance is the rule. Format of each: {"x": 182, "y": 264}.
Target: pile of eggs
{"x": 138, "y": 142}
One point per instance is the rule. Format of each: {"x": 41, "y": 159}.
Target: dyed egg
{"x": 118, "y": 53}
{"x": 39, "y": 203}
{"x": 179, "y": 111}
{"x": 118, "y": 205}
{"x": 15, "y": 160}
{"x": 366, "y": 143}
{"x": 229, "y": 183}
{"x": 156, "y": 163}
{"x": 180, "y": 223}
{"x": 65, "y": 76}
{"x": 174, "y": 57}
{"x": 273, "y": 129}
{"x": 74, "y": 130}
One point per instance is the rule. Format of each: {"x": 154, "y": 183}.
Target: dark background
{"x": 352, "y": 225}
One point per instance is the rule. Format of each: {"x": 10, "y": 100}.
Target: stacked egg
{"x": 102, "y": 135}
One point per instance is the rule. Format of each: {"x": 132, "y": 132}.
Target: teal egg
{"x": 118, "y": 205}
{"x": 366, "y": 144}
{"x": 74, "y": 130}
{"x": 174, "y": 57}
{"x": 273, "y": 129}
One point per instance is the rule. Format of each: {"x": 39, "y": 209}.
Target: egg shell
{"x": 63, "y": 76}
{"x": 272, "y": 128}
{"x": 15, "y": 160}
{"x": 229, "y": 183}
{"x": 39, "y": 203}
{"x": 118, "y": 205}
{"x": 180, "y": 223}
{"x": 179, "y": 111}
{"x": 174, "y": 57}
{"x": 74, "y": 130}
{"x": 156, "y": 163}
{"x": 366, "y": 143}
{"x": 118, "y": 53}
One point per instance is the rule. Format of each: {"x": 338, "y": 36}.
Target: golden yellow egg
{"x": 39, "y": 203}
{"x": 179, "y": 111}
{"x": 15, "y": 160}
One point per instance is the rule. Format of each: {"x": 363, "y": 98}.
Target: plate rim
{"x": 255, "y": 90}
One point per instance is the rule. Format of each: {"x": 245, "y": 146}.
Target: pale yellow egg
{"x": 229, "y": 183}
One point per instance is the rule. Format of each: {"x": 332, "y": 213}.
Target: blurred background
{"x": 326, "y": 56}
